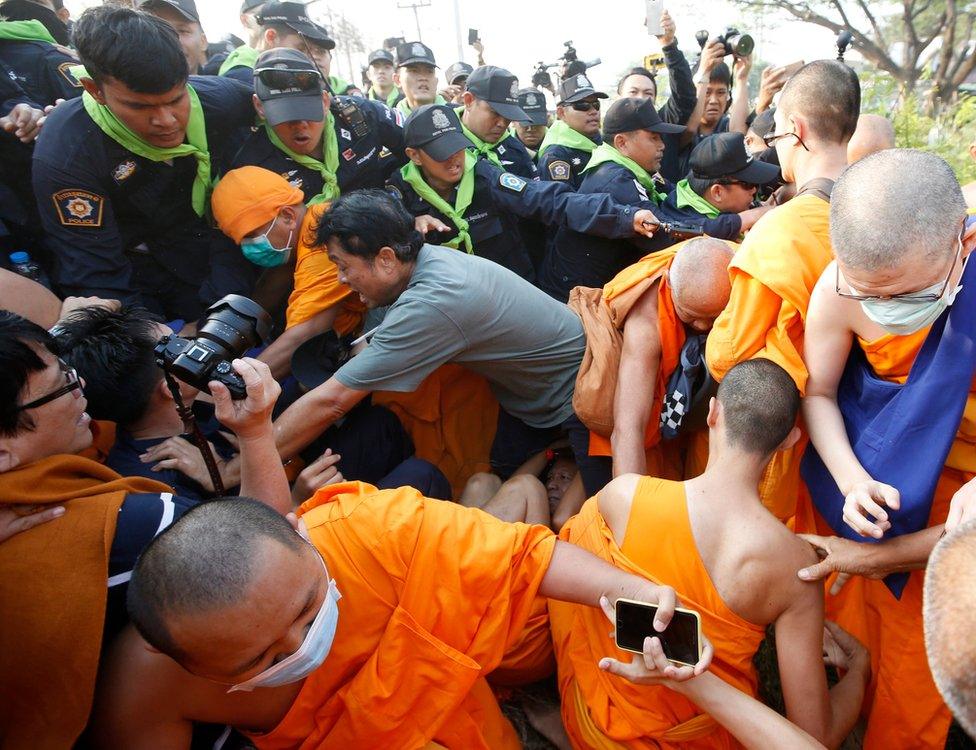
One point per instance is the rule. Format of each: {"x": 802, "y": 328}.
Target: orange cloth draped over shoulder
{"x": 605, "y": 712}
{"x": 773, "y": 275}
{"x": 902, "y": 705}
{"x": 53, "y": 587}
{"x": 432, "y": 595}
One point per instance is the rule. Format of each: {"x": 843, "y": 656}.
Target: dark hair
{"x": 365, "y": 221}
{"x": 760, "y": 402}
{"x": 721, "y": 74}
{"x": 135, "y": 48}
{"x": 828, "y": 94}
{"x": 19, "y": 342}
{"x": 202, "y": 562}
{"x": 636, "y": 72}
{"x": 113, "y": 352}
{"x": 701, "y": 184}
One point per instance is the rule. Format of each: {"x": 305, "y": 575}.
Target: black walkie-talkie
{"x": 351, "y": 115}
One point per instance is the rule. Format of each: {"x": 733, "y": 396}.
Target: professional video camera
{"x": 571, "y": 64}
{"x": 541, "y": 77}
{"x": 736, "y": 43}
{"x": 232, "y": 325}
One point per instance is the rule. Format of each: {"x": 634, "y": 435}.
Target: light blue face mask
{"x": 261, "y": 252}
{"x": 310, "y": 655}
{"x": 902, "y": 318}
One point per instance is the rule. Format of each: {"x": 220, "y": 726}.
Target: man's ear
{"x": 799, "y": 123}
{"x": 413, "y": 155}
{"x": 969, "y": 240}
{"x": 162, "y": 391}
{"x": 258, "y": 106}
{"x": 619, "y": 140}
{"x": 396, "y": 76}
{"x": 386, "y": 259}
{"x": 714, "y": 410}
{"x": 467, "y": 98}
{"x": 326, "y": 100}
{"x": 715, "y": 195}
{"x": 790, "y": 440}
{"x": 92, "y": 88}
{"x": 560, "y": 111}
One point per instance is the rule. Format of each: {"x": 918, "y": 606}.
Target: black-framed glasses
{"x": 740, "y": 183}
{"x": 907, "y": 297}
{"x": 73, "y": 385}
{"x": 280, "y": 79}
{"x": 586, "y": 106}
{"x": 770, "y": 138}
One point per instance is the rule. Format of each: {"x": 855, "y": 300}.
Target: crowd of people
{"x": 339, "y": 416}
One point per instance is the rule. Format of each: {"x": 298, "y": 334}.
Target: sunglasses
{"x": 585, "y": 106}
{"x": 281, "y": 79}
{"x": 770, "y": 138}
{"x": 73, "y": 385}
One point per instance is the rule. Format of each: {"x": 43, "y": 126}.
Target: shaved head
{"x": 874, "y": 133}
{"x": 827, "y": 94}
{"x": 699, "y": 279}
{"x": 950, "y": 631}
{"x": 877, "y": 221}
{"x": 759, "y": 402}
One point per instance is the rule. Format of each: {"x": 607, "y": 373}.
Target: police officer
{"x": 532, "y": 132}
{"x": 623, "y": 166}
{"x": 53, "y": 19}
{"x": 319, "y": 143}
{"x": 472, "y": 205}
{"x": 182, "y": 15}
{"x": 416, "y": 75}
{"x": 243, "y": 54}
{"x": 716, "y": 196}
{"x": 456, "y": 77}
{"x": 490, "y": 106}
{"x": 380, "y": 72}
{"x": 566, "y": 150}
{"x": 123, "y": 188}
{"x": 34, "y": 63}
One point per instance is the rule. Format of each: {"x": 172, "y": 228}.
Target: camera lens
{"x": 235, "y": 324}
{"x": 744, "y": 46}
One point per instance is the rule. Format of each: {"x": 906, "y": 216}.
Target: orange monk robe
{"x": 53, "y": 582}
{"x": 432, "y": 595}
{"x": 605, "y": 712}
{"x": 773, "y": 275}
{"x": 903, "y": 707}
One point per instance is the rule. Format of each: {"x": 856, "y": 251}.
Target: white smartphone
{"x": 654, "y": 10}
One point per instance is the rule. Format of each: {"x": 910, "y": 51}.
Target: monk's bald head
{"x": 950, "y": 629}
{"x": 827, "y": 94}
{"x": 204, "y": 562}
{"x": 892, "y": 206}
{"x": 874, "y": 133}
{"x": 759, "y": 402}
{"x": 699, "y": 280}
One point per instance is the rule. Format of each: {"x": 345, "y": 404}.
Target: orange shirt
{"x": 602, "y": 711}
{"x": 432, "y": 596}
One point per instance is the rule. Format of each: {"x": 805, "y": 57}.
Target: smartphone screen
{"x": 654, "y": 10}
{"x": 472, "y": 36}
{"x": 635, "y": 622}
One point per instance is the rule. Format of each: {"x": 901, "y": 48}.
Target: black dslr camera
{"x": 735, "y": 43}
{"x": 572, "y": 65}
{"x": 232, "y": 325}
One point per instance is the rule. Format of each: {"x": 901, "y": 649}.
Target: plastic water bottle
{"x": 23, "y": 265}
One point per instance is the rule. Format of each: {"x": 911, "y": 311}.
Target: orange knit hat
{"x": 249, "y": 197}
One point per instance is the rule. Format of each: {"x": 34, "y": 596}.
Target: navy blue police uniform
{"x": 40, "y": 69}
{"x": 123, "y": 227}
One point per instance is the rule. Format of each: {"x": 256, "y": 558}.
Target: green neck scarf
{"x": 391, "y": 100}
{"x": 560, "y": 134}
{"x": 406, "y": 109}
{"x": 196, "y": 145}
{"x": 25, "y": 31}
{"x": 242, "y": 57}
{"x": 327, "y": 167}
{"x": 338, "y": 85}
{"x": 688, "y": 198}
{"x": 605, "y": 152}
{"x": 415, "y": 178}
{"x": 483, "y": 148}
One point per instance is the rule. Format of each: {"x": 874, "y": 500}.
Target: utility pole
{"x": 457, "y": 28}
{"x": 414, "y": 5}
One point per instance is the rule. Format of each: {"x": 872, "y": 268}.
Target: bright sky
{"x": 517, "y": 33}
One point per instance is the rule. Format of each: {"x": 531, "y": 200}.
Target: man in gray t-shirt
{"x": 432, "y": 305}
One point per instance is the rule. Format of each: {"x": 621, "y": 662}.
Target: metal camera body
{"x": 735, "y": 42}
{"x": 572, "y": 65}
{"x": 232, "y": 325}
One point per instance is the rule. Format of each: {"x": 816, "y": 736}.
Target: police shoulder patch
{"x": 79, "y": 208}
{"x": 512, "y": 182}
{"x": 559, "y": 170}
{"x": 123, "y": 171}
{"x": 65, "y": 70}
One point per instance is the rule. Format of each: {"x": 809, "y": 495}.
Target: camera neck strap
{"x": 190, "y": 426}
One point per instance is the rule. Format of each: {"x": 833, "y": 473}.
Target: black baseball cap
{"x": 577, "y": 88}
{"x": 725, "y": 155}
{"x": 499, "y": 88}
{"x": 289, "y": 86}
{"x": 436, "y": 129}
{"x": 186, "y": 8}
{"x": 633, "y": 113}
{"x": 295, "y": 17}
{"x": 457, "y": 70}
{"x": 380, "y": 55}
{"x": 533, "y": 103}
{"x": 249, "y": 6}
{"x": 414, "y": 52}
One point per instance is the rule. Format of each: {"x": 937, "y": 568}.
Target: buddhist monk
{"x": 654, "y": 302}
{"x": 873, "y": 133}
{"x": 900, "y": 262}
{"x": 731, "y": 561}
{"x": 784, "y": 254}
{"x": 376, "y": 631}
{"x": 949, "y": 603}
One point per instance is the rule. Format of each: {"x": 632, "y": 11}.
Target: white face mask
{"x": 310, "y": 655}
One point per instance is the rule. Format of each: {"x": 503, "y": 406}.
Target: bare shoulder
{"x": 787, "y": 553}
{"x": 615, "y": 501}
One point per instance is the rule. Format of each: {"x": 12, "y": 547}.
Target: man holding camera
{"x": 567, "y": 147}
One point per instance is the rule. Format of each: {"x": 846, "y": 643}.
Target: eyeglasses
{"x": 907, "y": 297}
{"x": 585, "y": 106}
{"x": 284, "y": 78}
{"x": 740, "y": 183}
{"x": 73, "y": 385}
{"x": 770, "y": 138}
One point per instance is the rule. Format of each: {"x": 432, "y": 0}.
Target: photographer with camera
{"x": 54, "y": 585}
